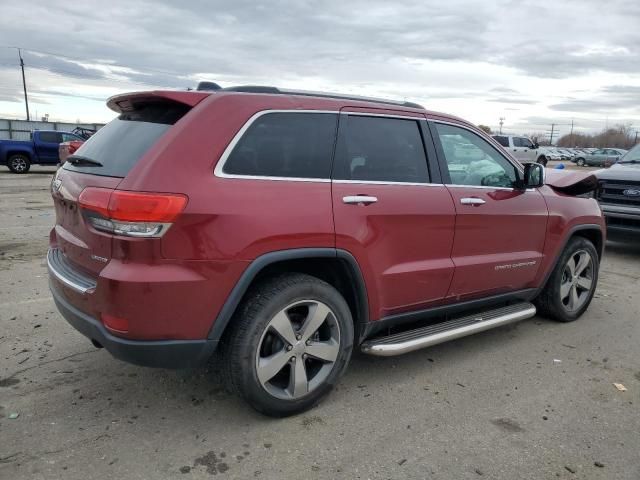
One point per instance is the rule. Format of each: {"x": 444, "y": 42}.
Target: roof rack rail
{"x": 279, "y": 91}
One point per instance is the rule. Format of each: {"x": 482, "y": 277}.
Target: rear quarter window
{"x": 120, "y": 144}
{"x": 282, "y": 144}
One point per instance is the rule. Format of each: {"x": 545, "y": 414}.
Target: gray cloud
{"x": 610, "y": 99}
{"x": 393, "y": 48}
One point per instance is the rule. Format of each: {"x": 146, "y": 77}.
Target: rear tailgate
{"x": 103, "y": 161}
{"x": 85, "y": 247}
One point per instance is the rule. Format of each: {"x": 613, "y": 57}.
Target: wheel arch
{"x": 26, "y": 153}
{"x": 335, "y": 266}
{"x": 592, "y": 232}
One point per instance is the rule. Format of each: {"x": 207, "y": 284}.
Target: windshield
{"x": 632, "y": 156}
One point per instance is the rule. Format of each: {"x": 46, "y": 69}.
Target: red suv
{"x": 283, "y": 229}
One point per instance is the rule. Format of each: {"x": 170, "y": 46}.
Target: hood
{"x": 619, "y": 171}
{"x": 572, "y": 182}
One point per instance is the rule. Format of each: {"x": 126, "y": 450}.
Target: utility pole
{"x": 553, "y": 126}
{"x": 501, "y": 122}
{"x": 24, "y": 85}
{"x": 571, "y": 134}
{"x": 636, "y": 139}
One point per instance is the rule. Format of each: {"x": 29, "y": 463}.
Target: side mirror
{"x": 536, "y": 145}
{"x": 533, "y": 175}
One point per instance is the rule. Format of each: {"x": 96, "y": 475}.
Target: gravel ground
{"x": 534, "y": 400}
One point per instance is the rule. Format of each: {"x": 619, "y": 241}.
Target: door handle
{"x": 472, "y": 201}
{"x": 359, "y": 200}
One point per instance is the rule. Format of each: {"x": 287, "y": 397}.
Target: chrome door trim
{"x": 472, "y": 201}
{"x": 359, "y": 199}
{"x": 379, "y": 182}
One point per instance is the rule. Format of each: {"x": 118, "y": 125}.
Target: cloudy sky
{"x": 532, "y": 62}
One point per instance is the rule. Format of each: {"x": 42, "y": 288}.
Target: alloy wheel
{"x": 577, "y": 281}
{"x": 19, "y": 164}
{"x": 298, "y": 349}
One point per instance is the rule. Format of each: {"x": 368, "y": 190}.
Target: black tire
{"x": 19, "y": 163}
{"x": 550, "y": 303}
{"x": 245, "y": 338}
{"x": 542, "y": 161}
{"x": 580, "y": 162}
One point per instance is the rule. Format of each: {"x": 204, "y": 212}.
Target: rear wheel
{"x": 542, "y": 161}
{"x": 19, "y": 163}
{"x": 580, "y": 162}
{"x": 570, "y": 288}
{"x": 289, "y": 343}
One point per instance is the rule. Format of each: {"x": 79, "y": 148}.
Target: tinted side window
{"x": 504, "y": 141}
{"x": 471, "y": 160}
{"x": 521, "y": 142}
{"x": 286, "y": 145}
{"x": 380, "y": 149}
{"x": 50, "y": 137}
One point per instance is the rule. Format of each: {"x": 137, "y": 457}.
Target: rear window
{"x": 293, "y": 145}
{"x": 122, "y": 142}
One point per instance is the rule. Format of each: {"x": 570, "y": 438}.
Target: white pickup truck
{"x": 523, "y": 148}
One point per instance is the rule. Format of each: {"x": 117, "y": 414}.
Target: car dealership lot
{"x": 534, "y": 400}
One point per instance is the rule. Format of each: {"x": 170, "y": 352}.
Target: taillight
{"x": 134, "y": 214}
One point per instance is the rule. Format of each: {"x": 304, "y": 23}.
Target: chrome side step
{"x": 404, "y": 342}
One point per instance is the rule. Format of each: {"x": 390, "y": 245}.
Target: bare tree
{"x": 620, "y": 136}
{"x": 486, "y": 129}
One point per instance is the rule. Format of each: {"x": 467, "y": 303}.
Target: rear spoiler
{"x": 571, "y": 183}
{"x": 124, "y": 102}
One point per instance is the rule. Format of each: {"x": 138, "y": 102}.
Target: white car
{"x": 523, "y": 148}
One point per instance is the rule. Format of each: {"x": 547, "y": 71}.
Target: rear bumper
{"x": 156, "y": 353}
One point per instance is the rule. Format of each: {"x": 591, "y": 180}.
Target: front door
{"x": 500, "y": 230}
{"x": 524, "y": 150}
{"x": 388, "y": 214}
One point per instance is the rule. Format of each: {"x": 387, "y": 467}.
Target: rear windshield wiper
{"x": 81, "y": 160}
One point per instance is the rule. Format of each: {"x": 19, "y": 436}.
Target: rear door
{"x": 46, "y": 145}
{"x": 500, "y": 230}
{"x": 391, "y": 211}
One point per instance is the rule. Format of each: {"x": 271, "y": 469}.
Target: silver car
{"x": 602, "y": 157}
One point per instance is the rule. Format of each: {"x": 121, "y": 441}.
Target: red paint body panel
{"x": 402, "y": 243}
{"x": 416, "y": 247}
{"x": 498, "y": 246}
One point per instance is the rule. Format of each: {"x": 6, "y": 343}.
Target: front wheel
{"x": 289, "y": 343}
{"x": 571, "y": 286}
{"x": 543, "y": 161}
{"x": 19, "y": 163}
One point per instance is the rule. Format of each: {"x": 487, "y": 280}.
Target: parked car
{"x": 522, "y": 148}
{"x": 619, "y": 192}
{"x": 65, "y": 149}
{"x": 545, "y": 154}
{"x": 603, "y": 157}
{"x": 283, "y": 238}
{"x": 42, "y": 149}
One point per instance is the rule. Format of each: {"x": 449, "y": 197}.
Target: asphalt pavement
{"x": 535, "y": 400}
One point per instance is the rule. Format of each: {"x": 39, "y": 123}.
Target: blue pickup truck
{"x": 42, "y": 149}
